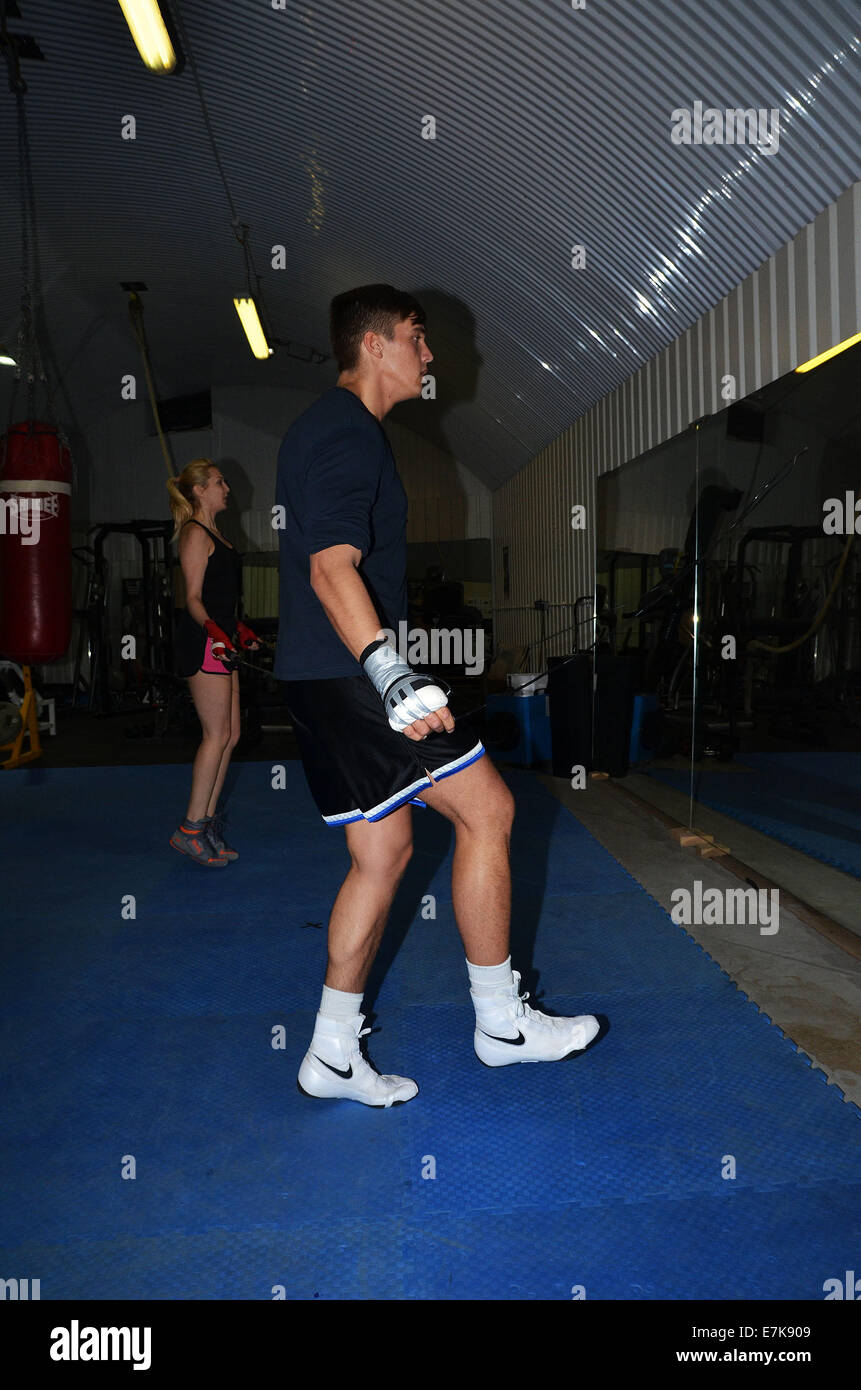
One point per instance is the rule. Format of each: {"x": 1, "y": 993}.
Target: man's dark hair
{"x": 369, "y": 308}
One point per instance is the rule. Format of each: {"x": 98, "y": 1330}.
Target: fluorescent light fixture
{"x": 250, "y": 320}
{"x": 832, "y": 352}
{"x": 6, "y": 358}
{"x": 149, "y": 33}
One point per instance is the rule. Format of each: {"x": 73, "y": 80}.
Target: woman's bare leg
{"x": 212, "y": 697}
{"x": 235, "y": 731}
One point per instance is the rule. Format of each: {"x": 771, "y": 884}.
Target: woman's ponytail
{"x": 181, "y": 491}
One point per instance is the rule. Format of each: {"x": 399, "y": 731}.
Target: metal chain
{"x": 29, "y": 359}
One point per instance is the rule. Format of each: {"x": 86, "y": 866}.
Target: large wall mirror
{"x": 728, "y": 597}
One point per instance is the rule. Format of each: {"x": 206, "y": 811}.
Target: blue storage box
{"x": 533, "y": 719}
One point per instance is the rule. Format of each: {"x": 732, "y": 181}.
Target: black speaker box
{"x": 569, "y": 689}
{"x": 569, "y": 692}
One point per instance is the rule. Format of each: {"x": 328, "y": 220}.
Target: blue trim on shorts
{"x": 385, "y": 808}
{"x": 393, "y": 803}
{"x": 465, "y": 761}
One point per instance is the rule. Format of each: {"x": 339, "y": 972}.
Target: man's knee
{"x": 495, "y": 800}
{"x": 502, "y": 808}
{"x": 384, "y": 856}
{"x": 491, "y": 814}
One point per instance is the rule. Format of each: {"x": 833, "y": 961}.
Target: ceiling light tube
{"x": 149, "y": 33}
{"x": 6, "y": 358}
{"x": 832, "y": 352}
{"x": 250, "y": 320}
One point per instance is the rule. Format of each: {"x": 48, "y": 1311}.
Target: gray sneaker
{"x": 194, "y": 842}
{"x": 214, "y": 831}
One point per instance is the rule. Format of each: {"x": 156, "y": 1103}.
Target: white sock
{"x": 336, "y": 1004}
{"x": 488, "y": 979}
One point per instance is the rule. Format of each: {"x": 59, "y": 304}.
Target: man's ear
{"x": 371, "y": 341}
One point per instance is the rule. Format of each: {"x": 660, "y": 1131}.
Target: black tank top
{"x": 222, "y": 586}
{"x": 222, "y": 581}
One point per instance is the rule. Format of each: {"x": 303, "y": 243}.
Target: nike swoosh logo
{"x": 515, "y": 1042}
{"x": 344, "y": 1074}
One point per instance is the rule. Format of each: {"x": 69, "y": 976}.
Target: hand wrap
{"x": 222, "y": 647}
{"x": 406, "y": 694}
{"x": 248, "y": 639}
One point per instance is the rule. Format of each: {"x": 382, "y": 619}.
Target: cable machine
{"x": 147, "y": 618}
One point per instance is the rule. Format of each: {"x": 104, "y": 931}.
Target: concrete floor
{"x": 808, "y": 986}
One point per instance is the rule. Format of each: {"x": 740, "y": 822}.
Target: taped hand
{"x": 406, "y": 694}
{"x": 248, "y": 639}
{"x": 222, "y": 647}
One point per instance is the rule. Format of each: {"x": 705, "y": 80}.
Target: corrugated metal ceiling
{"x": 553, "y": 129}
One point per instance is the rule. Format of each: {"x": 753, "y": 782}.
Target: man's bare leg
{"x": 333, "y": 1065}
{"x": 481, "y": 808}
{"x": 507, "y": 1030}
{"x": 380, "y": 852}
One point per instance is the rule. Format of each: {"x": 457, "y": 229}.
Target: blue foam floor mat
{"x": 152, "y": 1038}
{"x": 809, "y": 801}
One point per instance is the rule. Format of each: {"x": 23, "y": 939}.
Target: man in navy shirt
{"x": 338, "y": 485}
{"x": 374, "y": 735}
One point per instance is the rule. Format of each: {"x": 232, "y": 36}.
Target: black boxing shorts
{"x": 357, "y": 766}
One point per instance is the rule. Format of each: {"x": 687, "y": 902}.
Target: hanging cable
{"x": 29, "y": 357}
{"x": 180, "y": 24}
{"x": 136, "y": 316}
{"x": 696, "y": 632}
{"x": 755, "y": 644}
{"x": 780, "y": 476}
{"x": 241, "y": 230}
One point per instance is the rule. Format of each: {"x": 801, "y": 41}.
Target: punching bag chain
{"x": 29, "y": 358}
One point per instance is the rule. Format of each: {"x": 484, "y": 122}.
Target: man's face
{"x": 405, "y": 359}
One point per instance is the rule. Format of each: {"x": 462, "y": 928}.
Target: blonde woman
{"x": 205, "y": 653}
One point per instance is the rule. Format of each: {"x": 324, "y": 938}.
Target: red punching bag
{"x": 35, "y": 544}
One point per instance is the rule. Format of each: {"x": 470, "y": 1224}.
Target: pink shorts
{"x": 210, "y": 664}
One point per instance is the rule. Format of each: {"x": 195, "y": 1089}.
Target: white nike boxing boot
{"x": 507, "y": 1030}
{"x": 334, "y": 1068}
